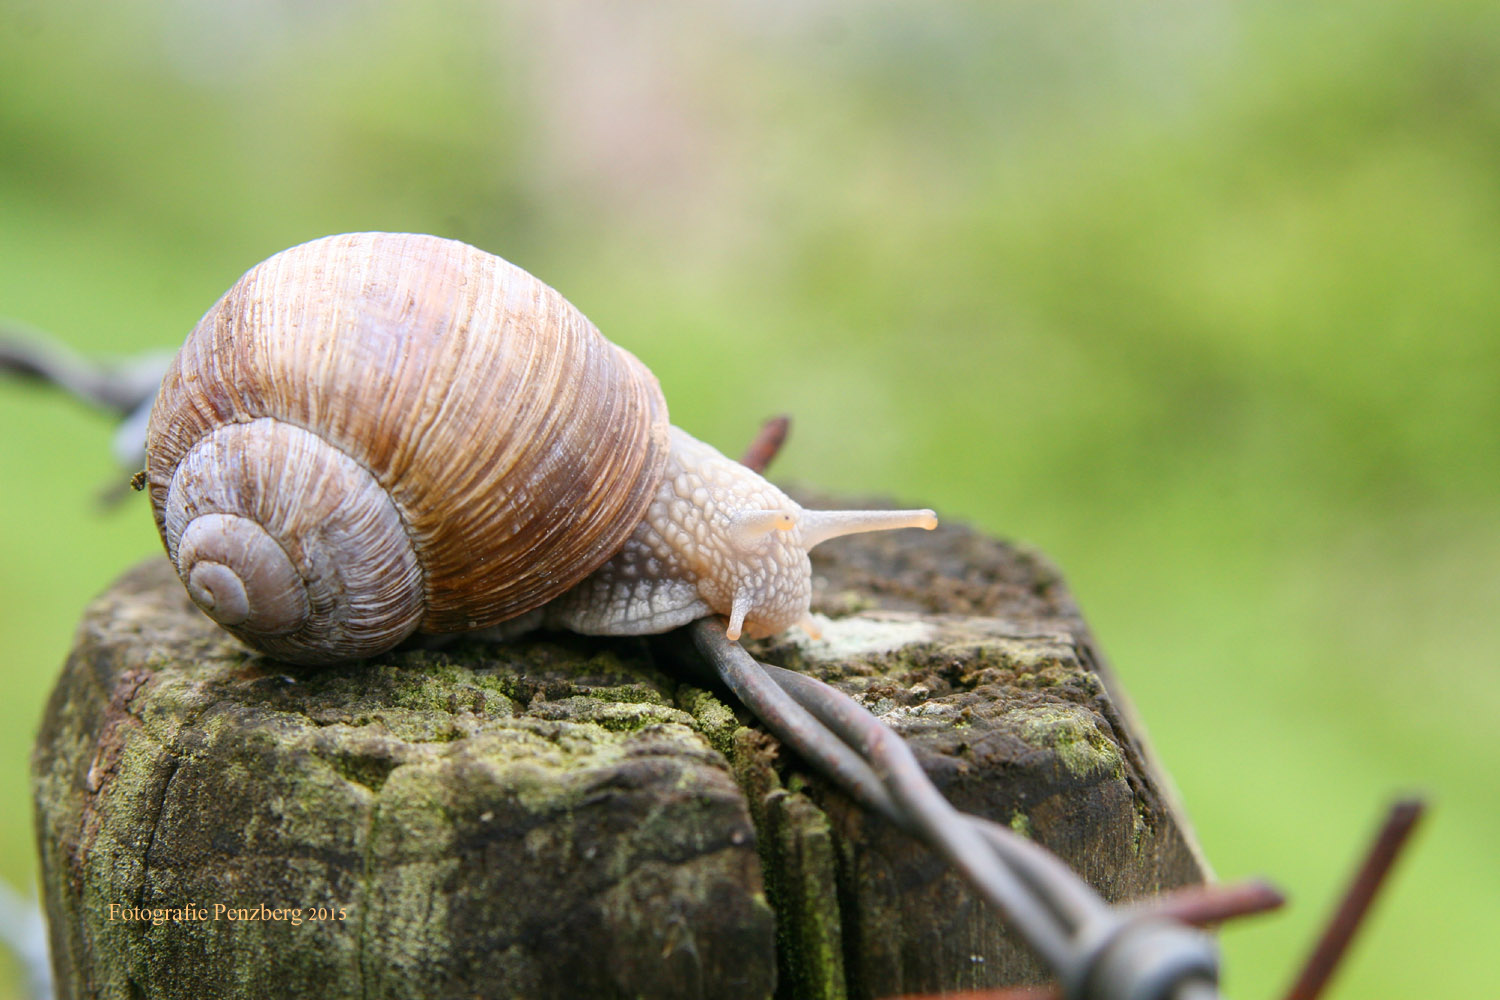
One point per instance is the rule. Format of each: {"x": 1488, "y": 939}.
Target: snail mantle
{"x": 564, "y": 816}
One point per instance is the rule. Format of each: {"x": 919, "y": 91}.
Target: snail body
{"x": 376, "y": 434}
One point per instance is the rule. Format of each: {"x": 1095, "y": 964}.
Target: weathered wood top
{"x": 563, "y": 816}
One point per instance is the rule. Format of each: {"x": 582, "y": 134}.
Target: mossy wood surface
{"x": 566, "y": 817}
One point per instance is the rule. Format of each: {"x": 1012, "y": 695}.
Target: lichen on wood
{"x": 560, "y": 816}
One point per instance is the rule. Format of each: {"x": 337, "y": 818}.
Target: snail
{"x": 374, "y": 434}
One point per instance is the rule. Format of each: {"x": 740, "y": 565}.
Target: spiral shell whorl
{"x": 241, "y": 576}
{"x": 291, "y": 545}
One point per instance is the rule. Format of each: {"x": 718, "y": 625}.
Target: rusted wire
{"x": 767, "y": 444}
{"x": 1324, "y": 960}
{"x": 1203, "y": 905}
{"x": 1208, "y": 905}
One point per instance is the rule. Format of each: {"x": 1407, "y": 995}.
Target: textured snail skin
{"x": 717, "y": 538}
{"x": 376, "y": 434}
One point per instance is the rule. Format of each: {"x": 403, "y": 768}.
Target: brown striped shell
{"x": 374, "y": 434}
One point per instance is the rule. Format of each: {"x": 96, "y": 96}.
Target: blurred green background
{"x": 1201, "y": 298}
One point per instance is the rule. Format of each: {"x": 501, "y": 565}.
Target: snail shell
{"x": 374, "y": 433}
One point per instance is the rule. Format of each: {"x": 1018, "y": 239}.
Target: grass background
{"x": 1200, "y": 298}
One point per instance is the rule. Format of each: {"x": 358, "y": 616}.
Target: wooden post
{"x": 567, "y": 817}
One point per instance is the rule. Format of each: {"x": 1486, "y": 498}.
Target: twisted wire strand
{"x": 1098, "y": 952}
{"x": 795, "y": 725}
{"x": 125, "y": 388}
{"x": 120, "y": 387}
{"x": 1070, "y": 900}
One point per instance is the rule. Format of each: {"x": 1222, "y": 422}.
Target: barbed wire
{"x": 1097, "y": 951}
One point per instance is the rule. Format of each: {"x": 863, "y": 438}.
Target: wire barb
{"x": 1208, "y": 905}
{"x": 767, "y": 444}
{"x": 1400, "y": 820}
